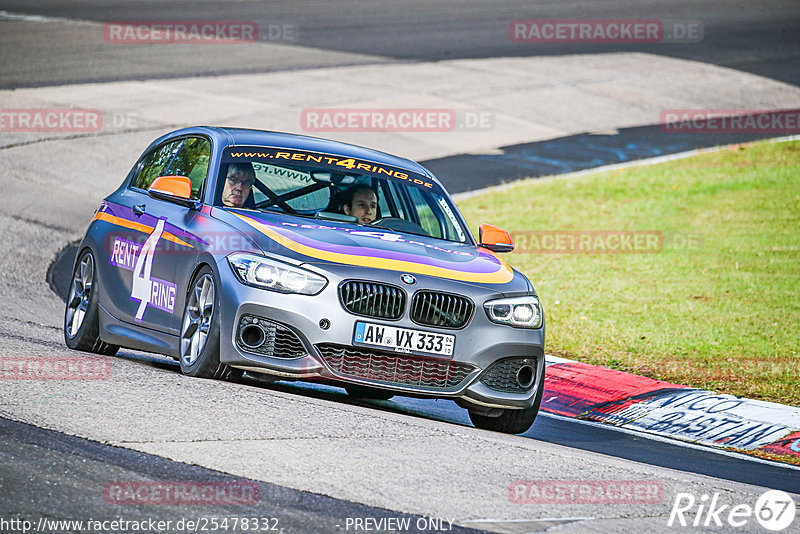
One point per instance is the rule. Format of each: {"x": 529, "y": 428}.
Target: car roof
{"x": 224, "y": 137}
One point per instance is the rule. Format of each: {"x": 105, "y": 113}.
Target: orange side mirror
{"x": 494, "y": 238}
{"x": 174, "y": 186}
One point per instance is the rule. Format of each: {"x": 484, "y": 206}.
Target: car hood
{"x": 324, "y": 242}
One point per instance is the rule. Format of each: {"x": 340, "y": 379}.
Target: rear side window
{"x": 185, "y": 157}
{"x": 191, "y": 161}
{"x": 155, "y": 162}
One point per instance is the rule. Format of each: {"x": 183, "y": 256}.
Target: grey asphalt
{"x": 73, "y": 488}
{"x": 588, "y": 437}
{"x": 757, "y": 37}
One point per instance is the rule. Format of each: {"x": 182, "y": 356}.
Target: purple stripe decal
{"x": 459, "y": 260}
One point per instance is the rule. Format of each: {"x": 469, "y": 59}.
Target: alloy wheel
{"x": 79, "y": 294}
{"x": 197, "y": 319}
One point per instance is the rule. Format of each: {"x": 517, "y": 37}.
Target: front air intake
{"x": 268, "y": 338}
{"x": 433, "y": 308}
{"x": 383, "y": 367}
{"x": 514, "y": 375}
{"x": 372, "y": 299}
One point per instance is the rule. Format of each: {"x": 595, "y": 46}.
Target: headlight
{"x": 269, "y": 274}
{"x": 524, "y": 312}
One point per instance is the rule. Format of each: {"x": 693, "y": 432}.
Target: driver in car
{"x": 361, "y": 202}
{"x": 238, "y": 183}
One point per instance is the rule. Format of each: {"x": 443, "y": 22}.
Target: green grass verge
{"x": 717, "y": 308}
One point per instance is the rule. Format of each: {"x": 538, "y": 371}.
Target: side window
{"x": 154, "y": 162}
{"x": 389, "y": 202}
{"x": 191, "y": 161}
{"x": 427, "y": 218}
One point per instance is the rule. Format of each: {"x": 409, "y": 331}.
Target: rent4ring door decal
{"x": 146, "y": 289}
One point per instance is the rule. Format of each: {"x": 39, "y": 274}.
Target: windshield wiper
{"x": 393, "y": 230}
{"x": 337, "y": 217}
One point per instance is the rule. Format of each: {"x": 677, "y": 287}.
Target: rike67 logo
{"x": 774, "y": 510}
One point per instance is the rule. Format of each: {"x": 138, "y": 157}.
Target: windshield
{"x": 334, "y": 188}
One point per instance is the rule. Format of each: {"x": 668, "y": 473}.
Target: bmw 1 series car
{"x": 299, "y": 258}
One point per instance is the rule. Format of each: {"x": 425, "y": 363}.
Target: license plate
{"x": 403, "y": 339}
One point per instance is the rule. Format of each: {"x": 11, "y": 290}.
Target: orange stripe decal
{"x": 119, "y": 221}
{"x": 502, "y": 275}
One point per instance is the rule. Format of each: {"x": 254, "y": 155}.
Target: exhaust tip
{"x": 525, "y": 376}
{"x": 252, "y": 336}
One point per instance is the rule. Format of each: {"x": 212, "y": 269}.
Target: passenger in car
{"x": 361, "y": 202}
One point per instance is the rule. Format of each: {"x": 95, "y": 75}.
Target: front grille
{"x": 433, "y": 308}
{"x": 276, "y": 340}
{"x": 389, "y": 368}
{"x": 372, "y": 299}
{"x": 502, "y": 375}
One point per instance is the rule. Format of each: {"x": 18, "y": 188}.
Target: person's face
{"x": 364, "y": 206}
{"x": 237, "y": 187}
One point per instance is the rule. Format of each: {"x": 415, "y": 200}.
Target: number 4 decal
{"x": 142, "y": 284}
{"x": 348, "y": 163}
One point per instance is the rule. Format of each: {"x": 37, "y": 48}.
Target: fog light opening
{"x": 252, "y": 336}
{"x": 525, "y": 376}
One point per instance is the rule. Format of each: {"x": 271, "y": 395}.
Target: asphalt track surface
{"x": 762, "y": 38}
{"x": 758, "y": 37}
{"x": 83, "y": 465}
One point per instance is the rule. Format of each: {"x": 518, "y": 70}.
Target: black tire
{"x": 81, "y": 321}
{"x": 510, "y": 421}
{"x": 199, "y": 340}
{"x": 363, "y": 392}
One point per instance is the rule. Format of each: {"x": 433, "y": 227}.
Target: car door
{"x": 150, "y": 245}
{"x": 182, "y": 246}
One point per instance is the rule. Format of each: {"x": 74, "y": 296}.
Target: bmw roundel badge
{"x": 408, "y": 279}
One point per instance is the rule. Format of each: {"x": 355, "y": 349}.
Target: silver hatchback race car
{"x": 238, "y": 250}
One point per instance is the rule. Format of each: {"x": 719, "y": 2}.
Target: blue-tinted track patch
{"x": 573, "y": 153}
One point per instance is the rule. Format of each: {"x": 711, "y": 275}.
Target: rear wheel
{"x": 81, "y": 321}
{"x": 200, "y": 330}
{"x": 509, "y": 421}
{"x": 363, "y": 392}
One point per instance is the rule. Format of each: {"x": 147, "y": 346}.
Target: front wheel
{"x": 200, "y": 330}
{"x": 81, "y": 321}
{"x": 509, "y": 421}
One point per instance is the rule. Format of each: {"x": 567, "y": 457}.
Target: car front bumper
{"x": 325, "y": 329}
